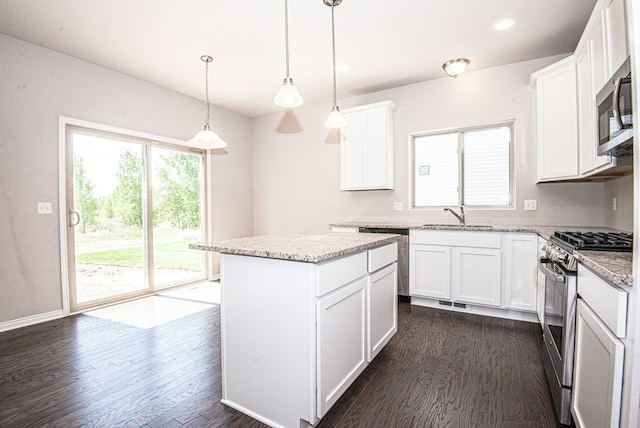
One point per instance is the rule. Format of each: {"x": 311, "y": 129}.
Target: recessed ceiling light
{"x": 342, "y": 67}
{"x": 503, "y": 24}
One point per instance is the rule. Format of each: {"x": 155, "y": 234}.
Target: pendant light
{"x": 207, "y": 139}
{"x": 288, "y": 96}
{"x": 336, "y": 118}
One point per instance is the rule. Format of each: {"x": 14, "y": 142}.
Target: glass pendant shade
{"x": 207, "y": 140}
{"x": 288, "y": 95}
{"x": 336, "y": 119}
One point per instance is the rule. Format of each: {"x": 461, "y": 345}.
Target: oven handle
{"x": 542, "y": 266}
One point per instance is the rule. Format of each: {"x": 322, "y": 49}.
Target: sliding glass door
{"x": 133, "y": 208}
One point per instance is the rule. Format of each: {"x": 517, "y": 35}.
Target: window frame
{"x": 460, "y": 131}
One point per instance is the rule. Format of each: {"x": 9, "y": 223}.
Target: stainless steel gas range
{"x": 559, "y": 267}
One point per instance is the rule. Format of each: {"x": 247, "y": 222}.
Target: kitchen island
{"x": 301, "y": 318}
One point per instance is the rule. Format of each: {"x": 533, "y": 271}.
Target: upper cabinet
{"x": 366, "y": 147}
{"x": 557, "y": 120}
{"x": 566, "y": 114}
{"x": 616, "y": 36}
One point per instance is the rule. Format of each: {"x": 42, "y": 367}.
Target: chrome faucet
{"x": 460, "y": 216}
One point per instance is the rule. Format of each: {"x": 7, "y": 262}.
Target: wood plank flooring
{"x": 442, "y": 369}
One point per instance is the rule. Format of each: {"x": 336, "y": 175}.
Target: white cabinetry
{"x": 451, "y": 265}
{"x": 487, "y": 269}
{"x": 341, "y": 342}
{"x": 296, "y": 335}
{"x": 616, "y": 34}
{"x": 475, "y": 275}
{"x": 521, "y": 271}
{"x": 429, "y": 270}
{"x": 599, "y": 352}
{"x": 366, "y": 147}
{"x": 382, "y": 303}
{"x": 540, "y": 290}
{"x": 557, "y": 120}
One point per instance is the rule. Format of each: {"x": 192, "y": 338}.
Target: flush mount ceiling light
{"x": 336, "y": 118}
{"x": 503, "y": 24}
{"x": 288, "y": 96}
{"x": 455, "y": 67}
{"x": 207, "y": 139}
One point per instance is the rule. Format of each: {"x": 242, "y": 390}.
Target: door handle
{"x": 73, "y": 214}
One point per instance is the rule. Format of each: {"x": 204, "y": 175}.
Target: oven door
{"x": 559, "y": 318}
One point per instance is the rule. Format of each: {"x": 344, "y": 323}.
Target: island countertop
{"x": 301, "y": 248}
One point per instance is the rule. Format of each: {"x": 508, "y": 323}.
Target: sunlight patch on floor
{"x": 208, "y": 292}
{"x": 149, "y": 312}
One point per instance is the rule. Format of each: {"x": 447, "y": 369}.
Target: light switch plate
{"x": 530, "y": 204}
{"x": 397, "y": 206}
{"x": 45, "y": 208}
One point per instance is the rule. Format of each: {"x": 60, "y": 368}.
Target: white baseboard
{"x": 33, "y": 319}
{"x": 478, "y": 310}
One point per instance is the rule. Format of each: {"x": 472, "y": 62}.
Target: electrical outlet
{"x": 397, "y": 206}
{"x": 530, "y": 204}
{"x": 615, "y": 204}
{"x": 45, "y": 208}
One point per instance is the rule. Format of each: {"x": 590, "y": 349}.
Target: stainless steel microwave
{"x": 615, "y": 114}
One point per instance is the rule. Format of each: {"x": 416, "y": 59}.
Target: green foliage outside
{"x": 176, "y": 194}
{"x": 167, "y": 255}
{"x": 118, "y": 217}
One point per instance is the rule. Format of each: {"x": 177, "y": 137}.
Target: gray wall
{"x": 36, "y": 87}
{"x": 622, "y": 190}
{"x": 296, "y": 175}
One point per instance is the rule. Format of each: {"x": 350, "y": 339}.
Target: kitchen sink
{"x": 449, "y": 226}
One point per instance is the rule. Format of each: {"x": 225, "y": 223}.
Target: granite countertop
{"x": 544, "y": 231}
{"x": 615, "y": 267}
{"x": 301, "y": 248}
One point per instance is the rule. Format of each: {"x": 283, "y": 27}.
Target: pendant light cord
{"x": 286, "y": 34}
{"x": 333, "y": 41}
{"x": 207, "y": 60}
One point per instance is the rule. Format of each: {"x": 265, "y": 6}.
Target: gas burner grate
{"x": 596, "y": 241}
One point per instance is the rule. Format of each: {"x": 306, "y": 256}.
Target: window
{"x": 469, "y": 167}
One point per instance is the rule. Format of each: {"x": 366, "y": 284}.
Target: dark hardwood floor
{"x": 442, "y": 369}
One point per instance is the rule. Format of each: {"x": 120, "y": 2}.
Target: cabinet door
{"x": 521, "y": 271}
{"x": 475, "y": 275}
{"x": 430, "y": 271}
{"x": 557, "y": 121}
{"x": 341, "y": 346}
{"x": 598, "y": 366}
{"x": 382, "y": 309}
{"x": 599, "y": 65}
{"x": 540, "y": 293}
{"x": 616, "y": 35}
{"x": 366, "y": 148}
{"x": 376, "y": 150}
{"x": 351, "y": 150}
{"x": 586, "y": 112}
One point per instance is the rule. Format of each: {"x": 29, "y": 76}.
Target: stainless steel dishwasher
{"x": 403, "y": 258}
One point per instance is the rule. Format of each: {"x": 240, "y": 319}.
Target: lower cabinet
{"x": 295, "y": 335}
{"x": 341, "y": 332}
{"x": 430, "y": 271}
{"x": 475, "y": 275}
{"x": 598, "y": 368}
{"x": 382, "y": 309}
{"x": 492, "y": 269}
{"x": 521, "y": 271}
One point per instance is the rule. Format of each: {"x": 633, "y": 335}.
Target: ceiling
{"x": 386, "y": 43}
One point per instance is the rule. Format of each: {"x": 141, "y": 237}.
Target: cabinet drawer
{"x": 456, "y": 238}
{"x": 607, "y": 301}
{"x": 335, "y": 273}
{"x": 382, "y": 256}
